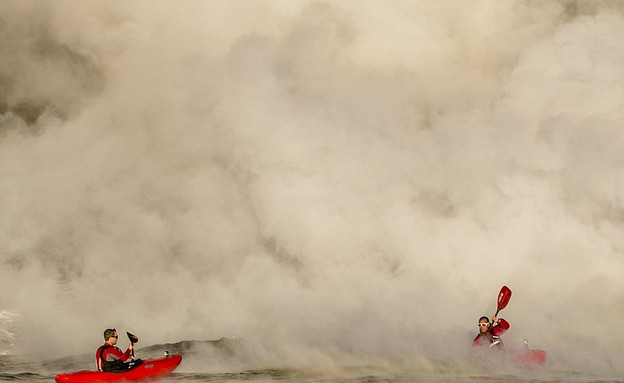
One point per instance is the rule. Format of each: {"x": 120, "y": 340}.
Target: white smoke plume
{"x": 318, "y": 177}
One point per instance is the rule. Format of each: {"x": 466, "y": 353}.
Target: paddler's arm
{"x": 499, "y": 325}
{"x": 127, "y": 353}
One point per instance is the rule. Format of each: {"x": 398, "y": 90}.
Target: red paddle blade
{"x": 503, "y": 298}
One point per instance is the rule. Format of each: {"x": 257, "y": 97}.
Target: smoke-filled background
{"x": 318, "y": 178}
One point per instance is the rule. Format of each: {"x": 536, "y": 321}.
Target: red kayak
{"x": 149, "y": 368}
{"x": 519, "y": 356}
{"x": 529, "y": 356}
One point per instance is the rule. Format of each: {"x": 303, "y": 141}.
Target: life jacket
{"x": 113, "y": 365}
{"x": 489, "y": 339}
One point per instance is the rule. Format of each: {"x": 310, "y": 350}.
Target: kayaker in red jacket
{"x": 109, "y": 357}
{"x": 489, "y": 333}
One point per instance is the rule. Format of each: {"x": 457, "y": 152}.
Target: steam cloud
{"x": 316, "y": 177}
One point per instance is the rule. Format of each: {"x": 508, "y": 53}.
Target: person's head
{"x": 484, "y": 324}
{"x": 110, "y": 335}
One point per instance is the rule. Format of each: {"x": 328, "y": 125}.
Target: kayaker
{"x": 489, "y": 333}
{"x": 109, "y": 358}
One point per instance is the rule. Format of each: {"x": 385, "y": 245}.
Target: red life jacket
{"x": 115, "y": 365}
{"x": 492, "y": 335}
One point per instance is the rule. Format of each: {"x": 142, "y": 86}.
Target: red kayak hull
{"x": 149, "y": 368}
{"x": 530, "y": 356}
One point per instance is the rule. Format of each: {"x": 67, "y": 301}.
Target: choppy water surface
{"x": 301, "y": 376}
{"x": 20, "y": 369}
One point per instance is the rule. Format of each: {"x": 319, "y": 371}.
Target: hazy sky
{"x": 319, "y": 177}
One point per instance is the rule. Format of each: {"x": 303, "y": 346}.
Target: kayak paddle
{"x": 133, "y": 339}
{"x": 503, "y": 299}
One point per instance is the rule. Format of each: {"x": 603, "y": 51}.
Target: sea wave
{"x": 231, "y": 360}
{"x": 7, "y": 336}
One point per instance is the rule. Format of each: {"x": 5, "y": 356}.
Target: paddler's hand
{"x": 494, "y": 320}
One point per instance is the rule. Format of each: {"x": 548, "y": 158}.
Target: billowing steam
{"x": 319, "y": 178}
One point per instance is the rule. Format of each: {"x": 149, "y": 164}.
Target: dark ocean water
{"x": 197, "y": 353}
